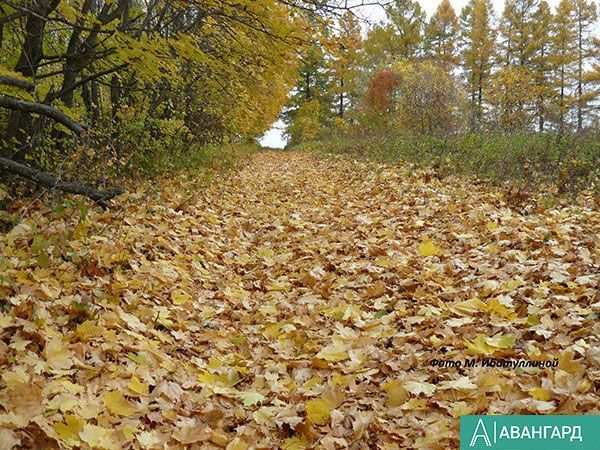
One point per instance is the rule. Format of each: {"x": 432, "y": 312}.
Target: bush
{"x": 414, "y": 98}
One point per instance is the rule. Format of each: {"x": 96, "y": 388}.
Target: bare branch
{"x": 49, "y": 181}
{"x": 16, "y": 82}
{"x": 42, "y": 109}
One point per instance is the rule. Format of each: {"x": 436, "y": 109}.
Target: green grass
{"x": 528, "y": 161}
{"x": 210, "y": 156}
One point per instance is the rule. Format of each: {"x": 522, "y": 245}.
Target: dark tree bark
{"x": 42, "y": 109}
{"x": 49, "y": 181}
{"x": 16, "y": 82}
{"x": 19, "y": 124}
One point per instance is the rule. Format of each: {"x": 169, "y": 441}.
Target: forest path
{"x": 302, "y": 302}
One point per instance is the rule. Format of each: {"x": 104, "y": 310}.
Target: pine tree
{"x": 313, "y": 84}
{"x": 477, "y": 40}
{"x": 586, "y": 15}
{"x": 345, "y": 59}
{"x": 440, "y": 36}
{"x": 564, "y": 58}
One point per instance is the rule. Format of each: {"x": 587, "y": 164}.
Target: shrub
{"x": 414, "y": 98}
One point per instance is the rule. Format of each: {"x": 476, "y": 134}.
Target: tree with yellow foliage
{"x": 440, "y": 40}
{"x": 564, "y": 59}
{"x": 586, "y": 15}
{"x": 188, "y": 71}
{"x": 541, "y": 65}
{"x": 477, "y": 42}
{"x": 346, "y": 53}
{"x": 401, "y": 37}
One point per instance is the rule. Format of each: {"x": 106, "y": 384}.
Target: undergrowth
{"x": 153, "y": 169}
{"x": 525, "y": 162}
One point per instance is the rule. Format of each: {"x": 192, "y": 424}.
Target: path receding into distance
{"x": 303, "y": 302}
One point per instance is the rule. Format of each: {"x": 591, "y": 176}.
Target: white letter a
{"x": 477, "y": 435}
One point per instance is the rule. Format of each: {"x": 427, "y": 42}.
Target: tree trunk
{"x": 19, "y": 124}
{"x": 342, "y": 98}
{"x": 579, "y": 73}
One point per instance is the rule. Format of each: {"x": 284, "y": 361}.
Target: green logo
{"x": 530, "y": 432}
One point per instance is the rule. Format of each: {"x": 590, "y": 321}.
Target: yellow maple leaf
{"x": 227, "y": 378}
{"x": 428, "y": 248}
{"x": 58, "y": 357}
{"x": 88, "y": 329}
{"x": 418, "y": 387}
{"x": 136, "y": 386}
{"x": 501, "y": 341}
{"x": 488, "y": 345}
{"x": 566, "y": 363}
{"x": 333, "y": 353}
{"x": 540, "y": 394}
{"x": 264, "y": 415}
{"x": 318, "y": 410}
{"x": 396, "y": 394}
{"x": 295, "y": 443}
{"x": 468, "y": 307}
{"x": 116, "y": 404}
{"x": 70, "y": 429}
{"x": 492, "y": 226}
{"x": 148, "y": 439}
{"x": 16, "y": 377}
{"x": 97, "y": 436}
{"x": 250, "y": 398}
{"x": 179, "y": 297}
{"x": 462, "y": 383}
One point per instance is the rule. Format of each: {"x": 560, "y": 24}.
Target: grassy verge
{"x": 207, "y": 156}
{"x": 528, "y": 162}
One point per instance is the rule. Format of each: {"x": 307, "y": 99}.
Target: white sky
{"x": 373, "y": 14}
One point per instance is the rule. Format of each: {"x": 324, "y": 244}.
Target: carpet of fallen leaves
{"x": 296, "y": 303}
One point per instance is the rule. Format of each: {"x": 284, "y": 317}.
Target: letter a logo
{"x": 480, "y": 434}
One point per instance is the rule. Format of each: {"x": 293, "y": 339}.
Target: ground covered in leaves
{"x": 297, "y": 303}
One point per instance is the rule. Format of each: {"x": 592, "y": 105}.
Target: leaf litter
{"x": 298, "y": 303}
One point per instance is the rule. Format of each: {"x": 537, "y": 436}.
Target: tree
{"x": 564, "y": 58}
{"x": 314, "y": 84}
{"x": 541, "y": 66}
{"x": 440, "y": 36}
{"x": 477, "y": 52}
{"x": 585, "y": 16}
{"x": 307, "y": 123}
{"x": 520, "y": 42}
{"x": 346, "y": 52}
{"x": 592, "y": 79}
{"x": 512, "y": 89}
{"x": 132, "y": 77}
{"x": 401, "y": 37}
{"x": 517, "y": 29}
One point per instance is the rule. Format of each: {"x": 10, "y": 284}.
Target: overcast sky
{"x": 374, "y": 14}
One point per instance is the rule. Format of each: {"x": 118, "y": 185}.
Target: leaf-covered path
{"x": 297, "y": 303}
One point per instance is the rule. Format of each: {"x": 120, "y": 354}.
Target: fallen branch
{"x": 17, "y": 82}
{"x": 43, "y": 109}
{"x": 50, "y": 181}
